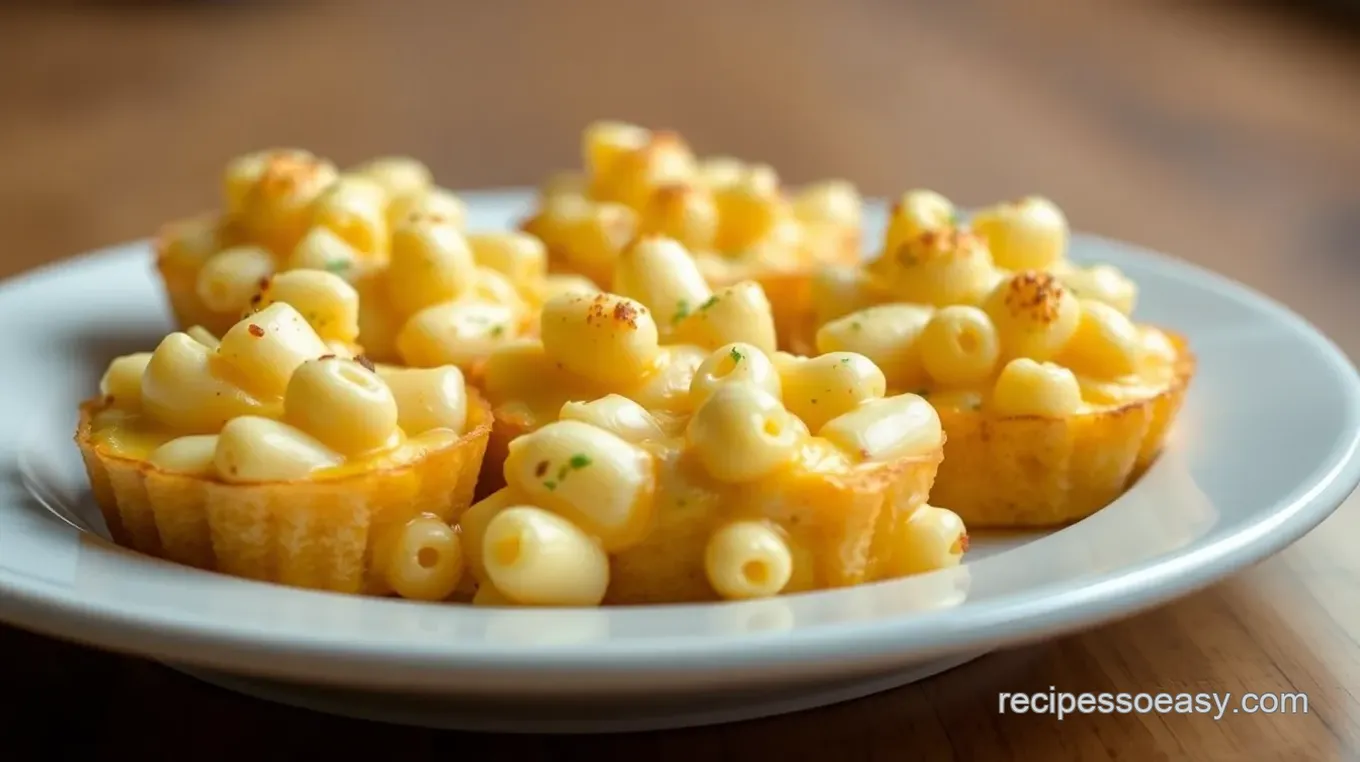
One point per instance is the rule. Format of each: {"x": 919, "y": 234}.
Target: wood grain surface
{"x": 1225, "y": 137}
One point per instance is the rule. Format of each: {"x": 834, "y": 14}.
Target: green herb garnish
{"x": 551, "y": 485}
{"x": 735, "y": 355}
{"x": 712, "y": 300}
{"x": 681, "y": 311}
{"x": 497, "y": 330}
{"x": 337, "y": 266}
{"x": 579, "y": 461}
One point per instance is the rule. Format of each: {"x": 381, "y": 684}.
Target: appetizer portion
{"x": 430, "y": 294}
{"x": 267, "y": 455}
{"x": 644, "y": 344}
{"x": 1053, "y": 400}
{"x": 788, "y": 474}
{"x": 734, "y": 216}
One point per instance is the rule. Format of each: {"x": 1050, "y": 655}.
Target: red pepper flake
{"x": 326, "y": 357}
{"x": 541, "y": 468}
{"x": 265, "y": 283}
{"x": 367, "y": 363}
{"x": 255, "y": 330}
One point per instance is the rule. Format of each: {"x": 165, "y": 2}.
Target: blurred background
{"x": 1224, "y": 133}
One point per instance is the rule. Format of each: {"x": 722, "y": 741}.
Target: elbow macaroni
{"x": 940, "y": 267}
{"x": 1034, "y": 315}
{"x": 428, "y": 398}
{"x": 748, "y": 559}
{"x": 122, "y": 382}
{"x": 661, "y": 274}
{"x": 959, "y": 346}
{"x": 231, "y": 277}
{"x": 456, "y": 333}
{"x": 818, "y": 389}
{"x": 355, "y": 209}
{"x": 342, "y": 404}
{"x": 271, "y": 198}
{"x": 1030, "y": 388}
{"x": 749, "y": 208}
{"x": 267, "y": 347}
{"x": 886, "y": 428}
{"x": 426, "y": 562}
{"x": 932, "y": 538}
{"x": 631, "y": 177}
{"x": 685, "y": 213}
{"x": 327, "y": 302}
{"x": 1105, "y": 345}
{"x": 833, "y": 202}
{"x": 322, "y": 249}
{"x": 738, "y": 313}
{"x": 742, "y": 433}
{"x": 183, "y": 389}
{"x": 520, "y": 257}
{"x": 253, "y": 450}
{"x": 194, "y": 455}
{"x": 616, "y": 414}
{"x": 734, "y": 364}
{"x": 595, "y": 478}
{"x": 667, "y": 387}
{"x": 915, "y": 213}
{"x": 431, "y": 264}
{"x": 1029, "y": 234}
{"x": 1101, "y": 283}
{"x": 536, "y": 558}
{"x": 397, "y": 175}
{"x": 838, "y": 291}
{"x": 435, "y": 204}
{"x": 605, "y": 338}
{"x": 888, "y": 335}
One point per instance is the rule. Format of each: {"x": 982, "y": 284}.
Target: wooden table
{"x": 1228, "y": 139}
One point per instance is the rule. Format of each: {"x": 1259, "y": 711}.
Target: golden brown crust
{"x": 1030, "y": 471}
{"x": 314, "y": 534}
{"x": 506, "y": 427}
{"x": 850, "y": 519}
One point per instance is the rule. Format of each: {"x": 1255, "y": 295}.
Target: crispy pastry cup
{"x": 317, "y": 534}
{"x": 844, "y": 526}
{"x": 843, "y": 529}
{"x": 1031, "y": 471}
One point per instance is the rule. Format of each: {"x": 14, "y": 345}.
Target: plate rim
{"x": 1049, "y": 609}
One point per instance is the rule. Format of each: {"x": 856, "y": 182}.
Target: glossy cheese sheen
{"x": 136, "y": 437}
{"x": 1153, "y": 378}
{"x": 814, "y": 503}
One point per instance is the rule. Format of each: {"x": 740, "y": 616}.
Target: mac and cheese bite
{"x": 645, "y": 344}
{"x": 1052, "y": 398}
{"x": 785, "y": 474}
{"x": 266, "y": 455}
{"x": 735, "y": 217}
{"x": 429, "y": 294}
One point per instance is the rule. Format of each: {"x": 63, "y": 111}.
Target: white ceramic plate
{"x": 1264, "y": 449}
